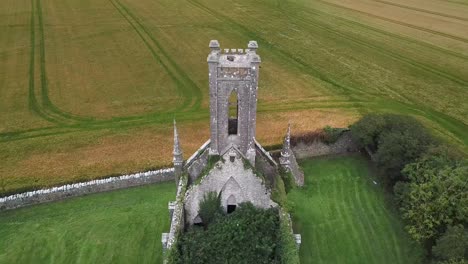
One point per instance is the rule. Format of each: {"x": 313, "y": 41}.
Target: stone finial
{"x": 285, "y": 152}
{"x": 177, "y": 150}
{"x": 214, "y": 45}
{"x": 252, "y": 45}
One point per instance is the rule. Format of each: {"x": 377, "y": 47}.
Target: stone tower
{"x": 233, "y": 81}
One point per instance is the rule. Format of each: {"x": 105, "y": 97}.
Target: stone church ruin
{"x": 231, "y": 163}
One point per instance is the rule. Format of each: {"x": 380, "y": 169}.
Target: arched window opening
{"x": 231, "y": 204}
{"x": 233, "y": 112}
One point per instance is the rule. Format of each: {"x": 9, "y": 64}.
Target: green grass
{"x": 122, "y": 226}
{"x": 85, "y": 74}
{"x": 344, "y": 218}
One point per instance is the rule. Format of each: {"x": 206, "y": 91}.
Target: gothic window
{"x": 233, "y": 112}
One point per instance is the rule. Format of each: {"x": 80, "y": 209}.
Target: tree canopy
{"x": 394, "y": 140}
{"x": 436, "y": 194}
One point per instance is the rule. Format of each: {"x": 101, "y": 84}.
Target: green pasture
{"x": 79, "y": 78}
{"x": 116, "y": 227}
{"x": 343, "y": 216}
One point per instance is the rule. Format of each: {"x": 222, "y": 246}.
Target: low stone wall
{"x": 83, "y": 188}
{"x": 344, "y": 144}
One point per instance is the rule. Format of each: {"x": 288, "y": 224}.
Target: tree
{"x": 436, "y": 194}
{"x": 395, "y": 141}
{"x": 453, "y": 244}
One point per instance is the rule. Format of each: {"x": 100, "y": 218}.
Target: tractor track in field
{"x": 66, "y": 122}
{"x": 187, "y": 88}
{"x": 452, "y": 125}
{"x": 42, "y": 106}
{"x": 383, "y": 51}
{"x": 390, "y": 34}
{"x": 421, "y": 10}
{"x": 398, "y": 22}
{"x": 287, "y": 56}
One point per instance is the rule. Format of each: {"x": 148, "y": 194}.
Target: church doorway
{"x": 231, "y": 208}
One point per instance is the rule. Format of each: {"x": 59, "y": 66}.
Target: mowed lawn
{"x": 343, "y": 217}
{"x": 123, "y": 226}
{"x": 89, "y": 88}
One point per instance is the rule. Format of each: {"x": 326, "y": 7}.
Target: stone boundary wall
{"x": 83, "y": 188}
{"x": 344, "y": 144}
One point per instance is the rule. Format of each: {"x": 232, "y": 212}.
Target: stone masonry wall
{"x": 83, "y": 188}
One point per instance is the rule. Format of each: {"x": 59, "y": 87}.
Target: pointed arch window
{"x": 233, "y": 113}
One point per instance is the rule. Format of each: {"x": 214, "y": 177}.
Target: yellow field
{"x": 89, "y": 88}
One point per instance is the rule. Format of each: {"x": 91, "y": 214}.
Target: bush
{"x": 332, "y": 134}
{"x": 210, "y": 208}
{"x": 395, "y": 141}
{"x": 248, "y": 235}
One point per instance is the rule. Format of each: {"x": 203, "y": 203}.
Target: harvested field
{"x": 90, "y": 88}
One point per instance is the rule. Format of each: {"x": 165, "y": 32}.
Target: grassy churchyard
{"x": 343, "y": 217}
{"x": 116, "y": 227}
{"x": 340, "y": 213}
{"x": 90, "y": 88}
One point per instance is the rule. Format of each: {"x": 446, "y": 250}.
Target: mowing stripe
{"x": 421, "y": 10}
{"x": 344, "y": 216}
{"x": 363, "y": 224}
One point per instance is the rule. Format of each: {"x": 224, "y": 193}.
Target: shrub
{"x": 210, "y": 208}
{"x": 248, "y": 235}
{"x": 332, "y": 134}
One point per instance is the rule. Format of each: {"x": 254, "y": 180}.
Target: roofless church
{"x": 231, "y": 163}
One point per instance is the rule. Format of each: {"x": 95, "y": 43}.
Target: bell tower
{"x": 233, "y": 80}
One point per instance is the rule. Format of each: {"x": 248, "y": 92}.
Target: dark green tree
{"x": 435, "y": 196}
{"x": 394, "y": 141}
{"x": 453, "y": 244}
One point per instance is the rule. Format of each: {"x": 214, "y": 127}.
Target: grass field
{"x": 90, "y": 88}
{"x": 116, "y": 227}
{"x": 343, "y": 217}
